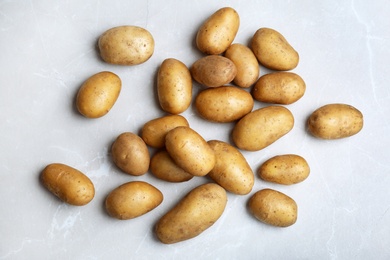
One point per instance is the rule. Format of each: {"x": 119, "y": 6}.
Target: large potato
{"x": 163, "y": 167}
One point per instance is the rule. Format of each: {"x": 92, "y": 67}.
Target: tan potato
{"x": 68, "y": 184}
{"x": 213, "y": 71}
{"x": 190, "y": 151}
{"x": 223, "y": 104}
{"x": 163, "y": 167}
{"x": 154, "y": 131}
{"x": 174, "y": 86}
{"x": 279, "y": 88}
{"x": 126, "y": 45}
{"x": 218, "y": 31}
{"x": 231, "y": 170}
{"x": 195, "y": 213}
{"x": 262, "y": 127}
{"x": 248, "y": 68}
{"x": 130, "y": 153}
{"x": 285, "y": 169}
{"x": 274, "y": 208}
{"x": 132, "y": 199}
{"x": 273, "y": 51}
{"x": 335, "y": 121}
{"x": 98, "y": 94}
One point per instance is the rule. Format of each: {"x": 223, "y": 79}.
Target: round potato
{"x": 163, "y": 167}
{"x": 68, "y": 184}
{"x": 98, "y": 94}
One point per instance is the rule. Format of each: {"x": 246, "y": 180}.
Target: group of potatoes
{"x": 226, "y": 72}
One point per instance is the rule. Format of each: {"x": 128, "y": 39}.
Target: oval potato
{"x": 163, "y": 167}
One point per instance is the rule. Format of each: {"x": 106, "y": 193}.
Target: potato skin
{"x": 163, "y": 167}
{"x": 68, "y": 184}
{"x": 195, "y": 213}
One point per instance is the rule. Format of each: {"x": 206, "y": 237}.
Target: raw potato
{"x": 273, "y": 51}
{"x": 223, "y": 104}
{"x": 68, "y": 184}
{"x": 163, "y": 167}
{"x": 126, "y": 45}
{"x": 262, "y": 127}
{"x": 231, "y": 170}
{"x": 174, "y": 86}
{"x": 195, "y": 213}
{"x": 279, "y": 88}
{"x": 132, "y": 199}
{"x": 130, "y": 153}
{"x": 285, "y": 169}
{"x": 274, "y": 208}
{"x": 98, "y": 94}
{"x": 218, "y": 31}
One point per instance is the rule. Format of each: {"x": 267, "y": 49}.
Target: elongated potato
{"x": 163, "y": 167}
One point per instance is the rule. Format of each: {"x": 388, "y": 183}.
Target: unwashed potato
{"x": 68, "y": 184}
{"x": 195, "y": 213}
{"x": 163, "y": 167}
{"x": 98, "y": 94}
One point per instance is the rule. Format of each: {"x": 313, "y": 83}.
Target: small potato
{"x": 195, "y": 213}
{"x": 231, "y": 170}
{"x": 248, "y": 68}
{"x": 190, "y": 151}
{"x": 262, "y": 127}
{"x": 174, "y": 86}
{"x": 273, "y": 51}
{"x": 285, "y": 169}
{"x": 130, "y": 153}
{"x": 213, "y": 71}
{"x": 98, "y": 94}
{"x": 126, "y": 45}
{"x": 154, "y": 131}
{"x": 279, "y": 88}
{"x": 218, "y": 31}
{"x": 68, "y": 184}
{"x": 334, "y": 121}
{"x": 163, "y": 167}
{"x": 274, "y": 208}
{"x": 223, "y": 104}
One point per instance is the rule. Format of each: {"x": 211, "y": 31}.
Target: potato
{"x": 195, "y": 213}
{"x": 223, "y": 104}
{"x": 273, "y": 51}
{"x": 279, "y": 88}
{"x": 284, "y": 169}
{"x": 231, "y": 169}
{"x": 213, "y": 71}
{"x": 68, "y": 184}
{"x": 334, "y": 121}
{"x": 130, "y": 153}
{"x": 274, "y": 208}
{"x": 244, "y": 59}
{"x": 262, "y": 127}
{"x": 98, "y": 94}
{"x": 174, "y": 86}
{"x": 154, "y": 131}
{"x": 126, "y": 45}
{"x": 190, "y": 151}
{"x": 217, "y": 33}
{"x": 163, "y": 167}
{"x": 132, "y": 199}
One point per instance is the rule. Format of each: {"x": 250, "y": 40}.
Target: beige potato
{"x": 68, "y": 184}
{"x": 213, "y": 71}
{"x": 273, "y": 51}
{"x": 279, "y": 88}
{"x": 190, "y": 151}
{"x": 163, "y": 167}
{"x": 285, "y": 169}
{"x": 262, "y": 127}
{"x": 174, "y": 86}
{"x": 130, "y": 153}
{"x": 231, "y": 169}
{"x": 223, "y": 104}
{"x": 126, "y": 45}
{"x": 217, "y": 33}
{"x": 98, "y": 94}
{"x": 244, "y": 59}
{"x": 132, "y": 199}
{"x": 195, "y": 213}
{"x": 274, "y": 208}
